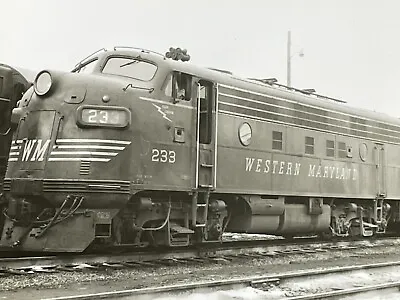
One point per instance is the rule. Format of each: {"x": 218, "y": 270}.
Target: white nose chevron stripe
{"x": 98, "y": 150}
{"x": 62, "y": 141}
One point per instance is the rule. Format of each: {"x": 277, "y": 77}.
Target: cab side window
{"x": 178, "y": 86}
{"x": 87, "y": 68}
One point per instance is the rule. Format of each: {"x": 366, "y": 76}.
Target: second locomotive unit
{"x": 135, "y": 148}
{"x": 12, "y": 86}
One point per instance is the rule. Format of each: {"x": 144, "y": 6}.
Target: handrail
{"x": 216, "y": 135}
{"x": 198, "y": 136}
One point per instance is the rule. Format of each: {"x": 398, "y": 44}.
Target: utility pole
{"x": 289, "y": 57}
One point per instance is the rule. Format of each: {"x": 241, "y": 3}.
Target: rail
{"x": 257, "y": 248}
{"x": 255, "y": 282}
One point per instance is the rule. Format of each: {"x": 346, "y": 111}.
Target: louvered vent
{"x": 85, "y": 168}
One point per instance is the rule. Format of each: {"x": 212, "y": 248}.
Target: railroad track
{"x": 335, "y": 291}
{"x": 207, "y": 254}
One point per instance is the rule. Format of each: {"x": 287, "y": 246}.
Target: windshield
{"x": 130, "y": 67}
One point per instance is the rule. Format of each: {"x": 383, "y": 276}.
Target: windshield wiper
{"x": 137, "y": 87}
{"x": 129, "y": 63}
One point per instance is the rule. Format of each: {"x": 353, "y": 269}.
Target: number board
{"x": 108, "y": 116}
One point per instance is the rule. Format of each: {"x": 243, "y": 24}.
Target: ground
{"x": 42, "y": 286}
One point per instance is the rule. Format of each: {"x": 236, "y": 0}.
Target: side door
{"x": 206, "y": 134}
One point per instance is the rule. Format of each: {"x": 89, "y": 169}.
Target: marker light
{"x": 43, "y": 83}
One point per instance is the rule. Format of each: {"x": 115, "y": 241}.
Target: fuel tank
{"x": 274, "y": 216}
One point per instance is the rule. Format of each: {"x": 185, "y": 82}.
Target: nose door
{"x": 35, "y": 133}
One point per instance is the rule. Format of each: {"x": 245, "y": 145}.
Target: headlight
{"x": 43, "y": 83}
{"x": 103, "y": 116}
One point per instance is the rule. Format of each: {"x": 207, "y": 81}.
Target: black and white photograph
{"x": 220, "y": 150}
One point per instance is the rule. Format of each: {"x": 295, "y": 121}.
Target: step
{"x": 205, "y": 185}
{"x": 368, "y": 232}
{"x": 180, "y": 229}
{"x": 369, "y": 225}
{"x": 207, "y": 165}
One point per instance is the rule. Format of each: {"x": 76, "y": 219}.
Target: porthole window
{"x": 245, "y": 134}
{"x": 363, "y": 151}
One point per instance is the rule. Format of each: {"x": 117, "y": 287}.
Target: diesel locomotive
{"x": 138, "y": 148}
{"x": 12, "y": 86}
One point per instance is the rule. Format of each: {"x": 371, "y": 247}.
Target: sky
{"x": 351, "y": 47}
